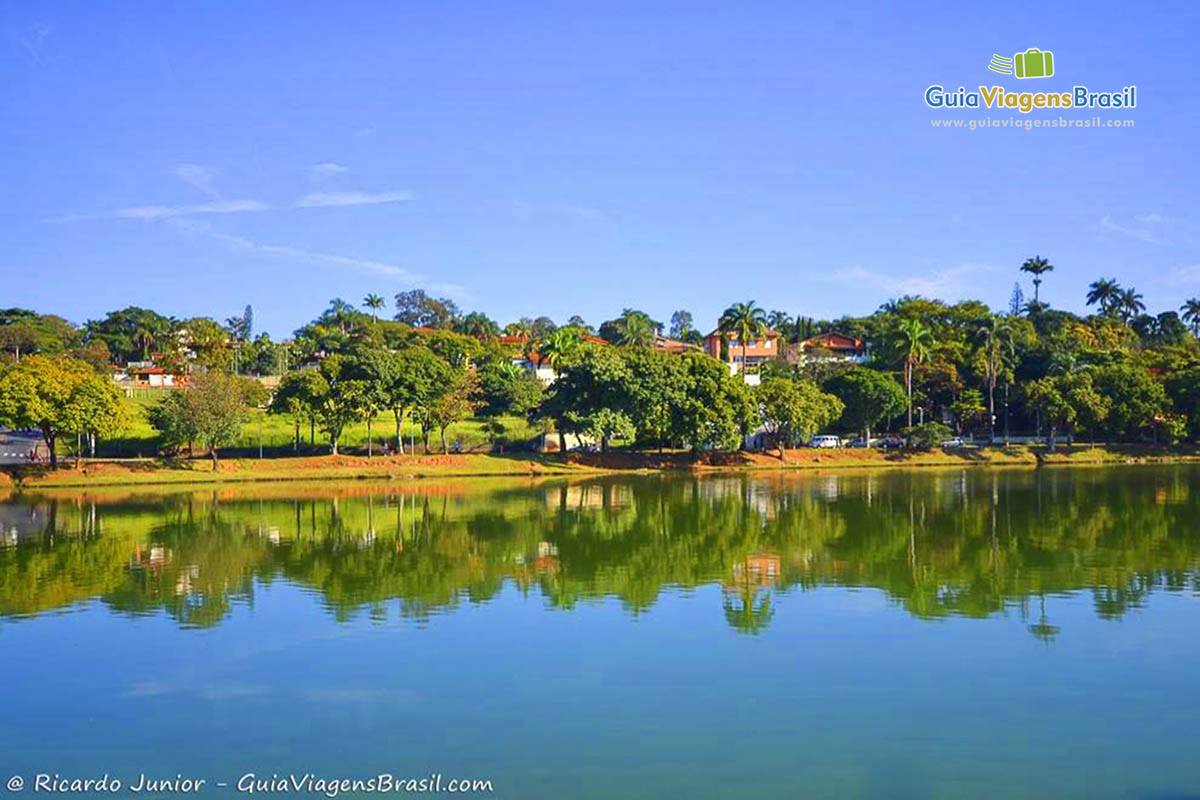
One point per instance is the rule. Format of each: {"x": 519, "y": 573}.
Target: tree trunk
{"x": 333, "y": 443}
{"x": 908, "y": 386}
{"x": 398, "y": 413}
{"x": 992, "y": 411}
{"x": 212, "y": 451}
{"x": 296, "y": 436}
{"x": 50, "y": 437}
{"x": 445, "y": 449}
{"x": 562, "y": 442}
{"x": 312, "y": 431}
{"x": 370, "y": 452}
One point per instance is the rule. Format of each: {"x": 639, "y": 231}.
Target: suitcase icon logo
{"x": 1033, "y": 63}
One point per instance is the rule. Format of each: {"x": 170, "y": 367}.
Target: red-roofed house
{"x": 834, "y": 346}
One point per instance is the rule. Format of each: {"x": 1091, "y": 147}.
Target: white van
{"x": 825, "y": 441}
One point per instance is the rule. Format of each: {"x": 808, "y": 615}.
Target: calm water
{"x": 953, "y": 634}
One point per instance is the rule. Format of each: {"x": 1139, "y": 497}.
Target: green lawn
{"x": 277, "y": 431}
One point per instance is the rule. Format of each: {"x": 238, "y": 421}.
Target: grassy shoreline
{"x": 158, "y": 472}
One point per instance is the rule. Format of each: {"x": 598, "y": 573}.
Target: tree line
{"x": 931, "y": 369}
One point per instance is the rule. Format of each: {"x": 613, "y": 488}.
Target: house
{"x": 726, "y": 347}
{"x": 675, "y": 346}
{"x": 531, "y": 359}
{"x": 834, "y": 346}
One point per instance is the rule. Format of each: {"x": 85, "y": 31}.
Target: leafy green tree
{"x": 968, "y": 407}
{"x": 477, "y": 324}
{"x": 1091, "y": 407}
{"x": 926, "y": 435}
{"x": 24, "y": 332}
{"x": 597, "y": 380}
{"x": 1046, "y": 395}
{"x": 1037, "y": 266}
{"x": 793, "y": 411}
{"x": 717, "y": 409}
{"x": 869, "y": 398}
{"x": 131, "y": 333}
{"x": 211, "y": 411}
{"x": 607, "y": 424}
{"x": 455, "y": 402}
{"x": 505, "y": 388}
{"x": 56, "y": 395}
{"x": 334, "y": 394}
{"x": 746, "y": 321}
{"x": 681, "y": 324}
{"x": 1136, "y": 398}
{"x": 418, "y": 309}
{"x": 655, "y": 389}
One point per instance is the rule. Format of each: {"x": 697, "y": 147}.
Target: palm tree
{"x": 745, "y": 321}
{"x": 373, "y": 302}
{"x": 1191, "y": 314}
{"x": 144, "y": 338}
{"x": 1036, "y": 266}
{"x": 996, "y": 347}
{"x": 635, "y": 329}
{"x": 1105, "y": 292}
{"x": 1130, "y": 304}
{"x": 782, "y": 322}
{"x": 560, "y": 347}
{"x": 914, "y": 343}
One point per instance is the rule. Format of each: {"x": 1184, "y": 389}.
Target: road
{"x": 16, "y": 445}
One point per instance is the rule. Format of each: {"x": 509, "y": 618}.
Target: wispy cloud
{"x": 331, "y": 199}
{"x": 1142, "y": 231}
{"x": 195, "y": 209}
{"x": 32, "y": 44}
{"x": 326, "y": 170}
{"x": 330, "y": 259}
{"x": 198, "y": 176}
{"x": 948, "y": 282}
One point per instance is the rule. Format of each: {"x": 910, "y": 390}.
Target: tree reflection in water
{"x": 970, "y": 543}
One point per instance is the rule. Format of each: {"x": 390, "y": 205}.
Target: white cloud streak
{"x": 364, "y": 264}
{"x": 198, "y": 176}
{"x": 327, "y": 169}
{"x": 338, "y": 199}
{"x": 195, "y": 209}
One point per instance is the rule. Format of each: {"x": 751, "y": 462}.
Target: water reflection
{"x": 969, "y": 543}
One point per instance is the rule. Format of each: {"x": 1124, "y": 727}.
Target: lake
{"x": 944, "y": 634}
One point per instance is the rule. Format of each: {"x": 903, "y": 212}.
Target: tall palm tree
{"x": 996, "y": 348}
{"x": 1036, "y": 266}
{"x": 373, "y": 302}
{"x": 782, "y": 322}
{"x": 635, "y": 330}
{"x": 1130, "y": 304}
{"x": 1191, "y": 314}
{"x": 1105, "y": 292}
{"x": 144, "y": 338}
{"x": 914, "y": 341}
{"x": 745, "y": 321}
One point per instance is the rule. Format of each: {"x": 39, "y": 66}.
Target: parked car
{"x": 954, "y": 442}
{"x": 861, "y": 442}
{"x": 825, "y": 441}
{"x": 890, "y": 442}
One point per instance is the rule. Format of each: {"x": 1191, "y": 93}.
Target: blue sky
{"x": 567, "y": 158}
